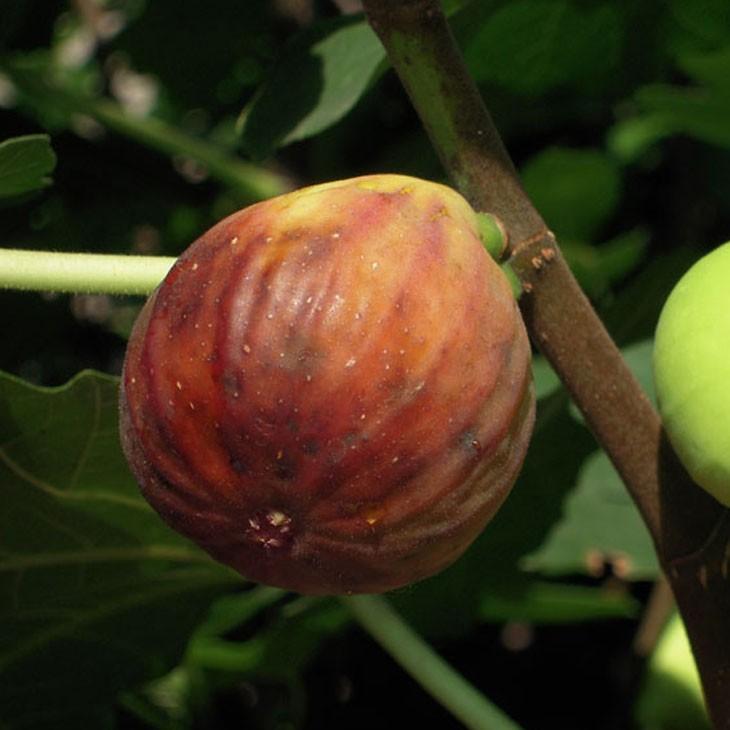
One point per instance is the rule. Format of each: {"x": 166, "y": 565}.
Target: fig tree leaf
{"x": 576, "y": 190}
{"x": 710, "y": 69}
{"x": 213, "y": 50}
{"x": 533, "y": 46}
{"x": 98, "y": 595}
{"x": 543, "y": 602}
{"x": 664, "y": 110}
{"x": 25, "y": 164}
{"x": 600, "y": 526}
{"x": 598, "y": 267}
{"x": 701, "y": 25}
{"x": 319, "y": 77}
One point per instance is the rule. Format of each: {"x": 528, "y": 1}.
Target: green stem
{"x": 437, "y": 677}
{"x": 81, "y": 272}
{"x": 252, "y": 181}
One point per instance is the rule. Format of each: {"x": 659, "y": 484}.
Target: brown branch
{"x": 691, "y": 531}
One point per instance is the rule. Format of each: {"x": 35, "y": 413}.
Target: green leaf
{"x": 97, "y": 594}
{"x": 700, "y": 113}
{"x": 201, "y": 51}
{"x": 635, "y": 309}
{"x": 321, "y": 75}
{"x": 711, "y": 69}
{"x": 540, "y": 601}
{"x": 600, "y": 524}
{"x": 25, "y": 163}
{"x": 533, "y": 46}
{"x": 545, "y": 378}
{"x": 699, "y": 25}
{"x": 597, "y": 268}
{"x": 576, "y": 190}
{"x": 664, "y": 111}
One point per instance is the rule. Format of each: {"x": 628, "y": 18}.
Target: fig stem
{"x": 493, "y": 235}
{"x": 251, "y": 181}
{"x": 81, "y": 272}
{"x": 691, "y": 531}
{"x": 439, "y": 679}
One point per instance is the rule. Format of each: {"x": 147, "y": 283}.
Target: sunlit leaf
{"x": 321, "y": 75}
{"x": 600, "y": 526}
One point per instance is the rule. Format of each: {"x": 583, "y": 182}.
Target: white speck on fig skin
{"x": 351, "y": 362}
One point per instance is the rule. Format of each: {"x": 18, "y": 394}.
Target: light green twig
{"x": 81, "y": 272}
{"x": 438, "y": 678}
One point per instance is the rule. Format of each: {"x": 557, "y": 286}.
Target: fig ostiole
{"x": 692, "y": 371}
{"x": 331, "y": 391}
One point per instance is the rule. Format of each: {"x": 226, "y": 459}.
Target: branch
{"x": 691, "y": 531}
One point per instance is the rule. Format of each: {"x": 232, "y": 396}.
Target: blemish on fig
{"x": 351, "y": 362}
{"x": 284, "y": 467}
{"x": 234, "y": 240}
{"x": 246, "y": 348}
{"x": 375, "y": 265}
{"x": 238, "y": 466}
{"x": 469, "y": 443}
{"x": 310, "y": 447}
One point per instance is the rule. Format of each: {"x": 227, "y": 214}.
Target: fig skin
{"x": 331, "y": 390}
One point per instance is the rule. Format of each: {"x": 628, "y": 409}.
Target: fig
{"x": 692, "y": 371}
{"x": 331, "y": 390}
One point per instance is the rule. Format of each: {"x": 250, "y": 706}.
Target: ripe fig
{"x": 692, "y": 371}
{"x": 331, "y": 390}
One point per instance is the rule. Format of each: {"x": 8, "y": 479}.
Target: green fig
{"x": 692, "y": 371}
